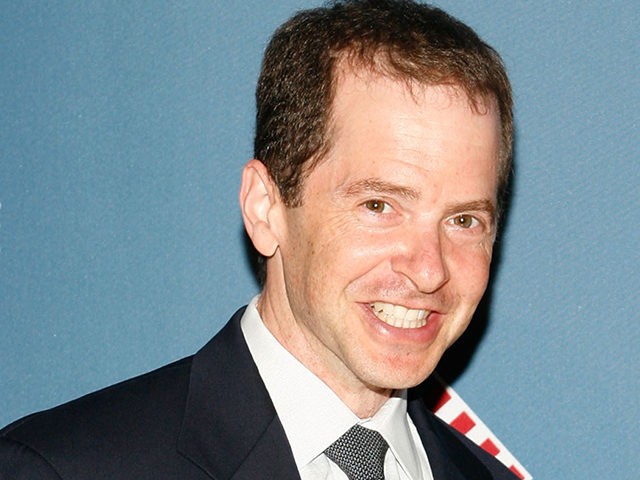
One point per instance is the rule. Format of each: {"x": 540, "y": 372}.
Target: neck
{"x": 366, "y": 404}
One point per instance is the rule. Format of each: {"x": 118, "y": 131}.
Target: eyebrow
{"x": 377, "y": 186}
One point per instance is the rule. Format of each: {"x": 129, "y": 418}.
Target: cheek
{"x": 337, "y": 264}
{"x": 470, "y": 270}
{"x": 349, "y": 246}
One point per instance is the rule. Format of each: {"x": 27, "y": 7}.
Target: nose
{"x": 423, "y": 260}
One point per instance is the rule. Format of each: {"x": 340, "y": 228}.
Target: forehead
{"x": 370, "y": 99}
{"x": 385, "y": 126}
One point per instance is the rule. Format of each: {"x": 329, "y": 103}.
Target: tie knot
{"x": 359, "y": 453}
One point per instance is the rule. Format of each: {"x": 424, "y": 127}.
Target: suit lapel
{"x": 449, "y": 457}
{"x": 230, "y": 427}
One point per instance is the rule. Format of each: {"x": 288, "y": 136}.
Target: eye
{"x": 465, "y": 221}
{"x": 377, "y": 206}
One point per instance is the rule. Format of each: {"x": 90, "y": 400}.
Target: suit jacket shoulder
{"x": 127, "y": 426}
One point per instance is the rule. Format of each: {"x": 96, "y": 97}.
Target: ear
{"x": 259, "y": 200}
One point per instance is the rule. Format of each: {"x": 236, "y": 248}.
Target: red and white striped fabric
{"x": 449, "y": 407}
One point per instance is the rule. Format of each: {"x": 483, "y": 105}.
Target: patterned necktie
{"x": 359, "y": 453}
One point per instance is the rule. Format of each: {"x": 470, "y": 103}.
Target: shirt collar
{"x": 392, "y": 422}
{"x": 303, "y": 402}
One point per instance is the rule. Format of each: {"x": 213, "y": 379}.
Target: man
{"x": 382, "y": 149}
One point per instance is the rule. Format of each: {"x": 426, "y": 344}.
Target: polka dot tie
{"x": 359, "y": 453}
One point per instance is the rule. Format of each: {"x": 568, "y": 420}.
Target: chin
{"x": 400, "y": 383}
{"x": 407, "y": 376}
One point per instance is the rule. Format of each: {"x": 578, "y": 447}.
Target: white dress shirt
{"x": 313, "y": 417}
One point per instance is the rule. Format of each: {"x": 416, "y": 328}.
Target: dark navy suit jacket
{"x": 204, "y": 417}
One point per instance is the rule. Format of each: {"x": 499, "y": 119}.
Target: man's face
{"x": 385, "y": 261}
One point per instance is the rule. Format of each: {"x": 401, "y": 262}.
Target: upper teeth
{"x": 399, "y": 316}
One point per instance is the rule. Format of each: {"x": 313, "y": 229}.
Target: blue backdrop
{"x": 124, "y": 128}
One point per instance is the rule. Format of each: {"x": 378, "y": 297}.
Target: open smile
{"x": 399, "y": 316}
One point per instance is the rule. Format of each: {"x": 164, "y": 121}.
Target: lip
{"x": 400, "y": 316}
{"x": 424, "y": 334}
